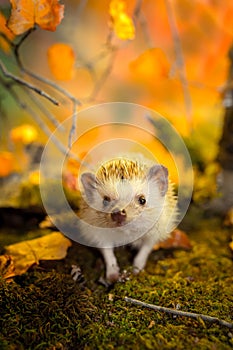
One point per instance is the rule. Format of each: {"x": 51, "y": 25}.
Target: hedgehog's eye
{"x": 142, "y": 200}
{"x": 106, "y": 200}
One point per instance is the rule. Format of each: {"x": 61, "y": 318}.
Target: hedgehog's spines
{"x": 120, "y": 169}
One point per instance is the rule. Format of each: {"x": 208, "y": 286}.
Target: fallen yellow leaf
{"x": 27, "y": 253}
{"x": 6, "y": 266}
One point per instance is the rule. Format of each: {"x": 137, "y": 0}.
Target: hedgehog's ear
{"x": 89, "y": 184}
{"x": 159, "y": 174}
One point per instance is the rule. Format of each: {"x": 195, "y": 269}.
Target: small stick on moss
{"x": 180, "y": 313}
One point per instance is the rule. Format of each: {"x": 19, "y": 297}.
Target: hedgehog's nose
{"x": 118, "y": 215}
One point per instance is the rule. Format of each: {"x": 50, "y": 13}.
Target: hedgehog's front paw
{"x": 138, "y": 264}
{"x": 136, "y": 270}
{"x": 112, "y": 274}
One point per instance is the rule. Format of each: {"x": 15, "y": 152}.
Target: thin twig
{"x": 80, "y": 8}
{"x": 139, "y": 15}
{"x": 23, "y": 82}
{"x": 2, "y": 110}
{"x": 38, "y": 77}
{"x": 137, "y": 7}
{"x": 18, "y": 45}
{"x": 100, "y": 82}
{"x": 50, "y": 83}
{"x": 180, "y": 313}
{"x": 44, "y": 110}
{"x": 72, "y": 132}
{"x": 53, "y": 85}
{"x": 23, "y": 105}
{"x": 180, "y": 60}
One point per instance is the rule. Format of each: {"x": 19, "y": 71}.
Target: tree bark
{"x": 225, "y": 156}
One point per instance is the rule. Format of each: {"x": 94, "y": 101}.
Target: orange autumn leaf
{"x": 61, "y": 59}
{"x": 47, "y": 14}
{"x": 25, "y": 134}
{"x": 178, "y": 239}
{"x": 6, "y": 163}
{"x": 152, "y": 64}
{"x": 7, "y": 33}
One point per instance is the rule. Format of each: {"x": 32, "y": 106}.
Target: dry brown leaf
{"x": 27, "y": 253}
{"x": 178, "y": 239}
{"x": 152, "y": 323}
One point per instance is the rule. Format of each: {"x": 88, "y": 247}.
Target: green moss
{"x": 46, "y": 309}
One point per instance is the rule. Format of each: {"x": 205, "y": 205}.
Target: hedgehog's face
{"x": 119, "y": 201}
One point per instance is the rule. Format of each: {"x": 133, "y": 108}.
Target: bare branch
{"x": 180, "y": 313}
{"x": 81, "y": 7}
{"x": 139, "y": 15}
{"x": 50, "y": 83}
{"x": 23, "y": 82}
{"x": 53, "y": 85}
{"x": 18, "y": 45}
{"x": 73, "y": 126}
{"x": 180, "y": 60}
{"x": 43, "y": 126}
{"x": 43, "y": 109}
{"x": 38, "y": 77}
{"x": 100, "y": 82}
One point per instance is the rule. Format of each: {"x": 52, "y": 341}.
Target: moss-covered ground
{"x": 46, "y": 309}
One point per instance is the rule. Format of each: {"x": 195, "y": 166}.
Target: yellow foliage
{"x": 150, "y": 66}
{"x": 61, "y": 59}
{"x": 25, "y": 134}
{"x": 34, "y": 178}
{"x": 121, "y": 23}
{"x": 116, "y": 7}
